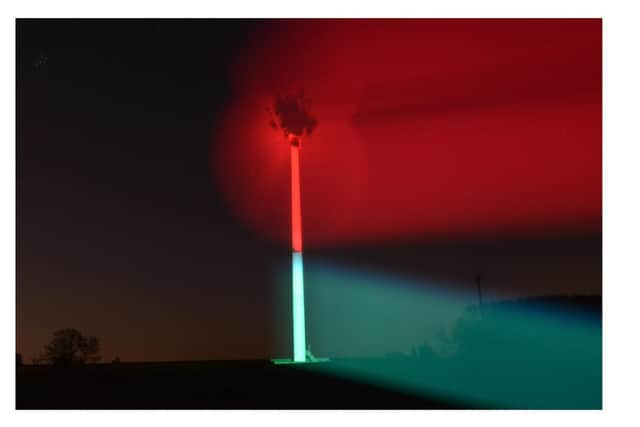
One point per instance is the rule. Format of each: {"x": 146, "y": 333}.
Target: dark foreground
{"x": 542, "y": 353}
{"x": 202, "y": 385}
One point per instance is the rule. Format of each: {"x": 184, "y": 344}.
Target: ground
{"x": 202, "y": 385}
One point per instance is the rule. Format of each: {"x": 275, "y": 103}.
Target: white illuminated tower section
{"x": 299, "y": 333}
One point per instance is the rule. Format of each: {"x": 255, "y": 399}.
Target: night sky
{"x": 146, "y": 216}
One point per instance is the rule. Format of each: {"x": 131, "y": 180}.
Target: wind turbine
{"x": 291, "y": 115}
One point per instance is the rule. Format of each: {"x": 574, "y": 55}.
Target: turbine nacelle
{"x": 294, "y": 140}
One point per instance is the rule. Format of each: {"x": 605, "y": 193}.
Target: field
{"x": 201, "y": 385}
{"x": 542, "y": 353}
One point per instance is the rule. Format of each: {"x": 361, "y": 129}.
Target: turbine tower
{"x": 299, "y": 329}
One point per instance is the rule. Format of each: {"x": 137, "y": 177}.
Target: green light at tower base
{"x": 299, "y": 334}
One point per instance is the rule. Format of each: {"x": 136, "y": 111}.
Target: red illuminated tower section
{"x": 296, "y": 214}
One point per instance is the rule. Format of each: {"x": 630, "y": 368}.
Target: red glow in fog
{"x": 426, "y": 128}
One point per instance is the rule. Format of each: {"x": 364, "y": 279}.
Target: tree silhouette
{"x": 69, "y": 347}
